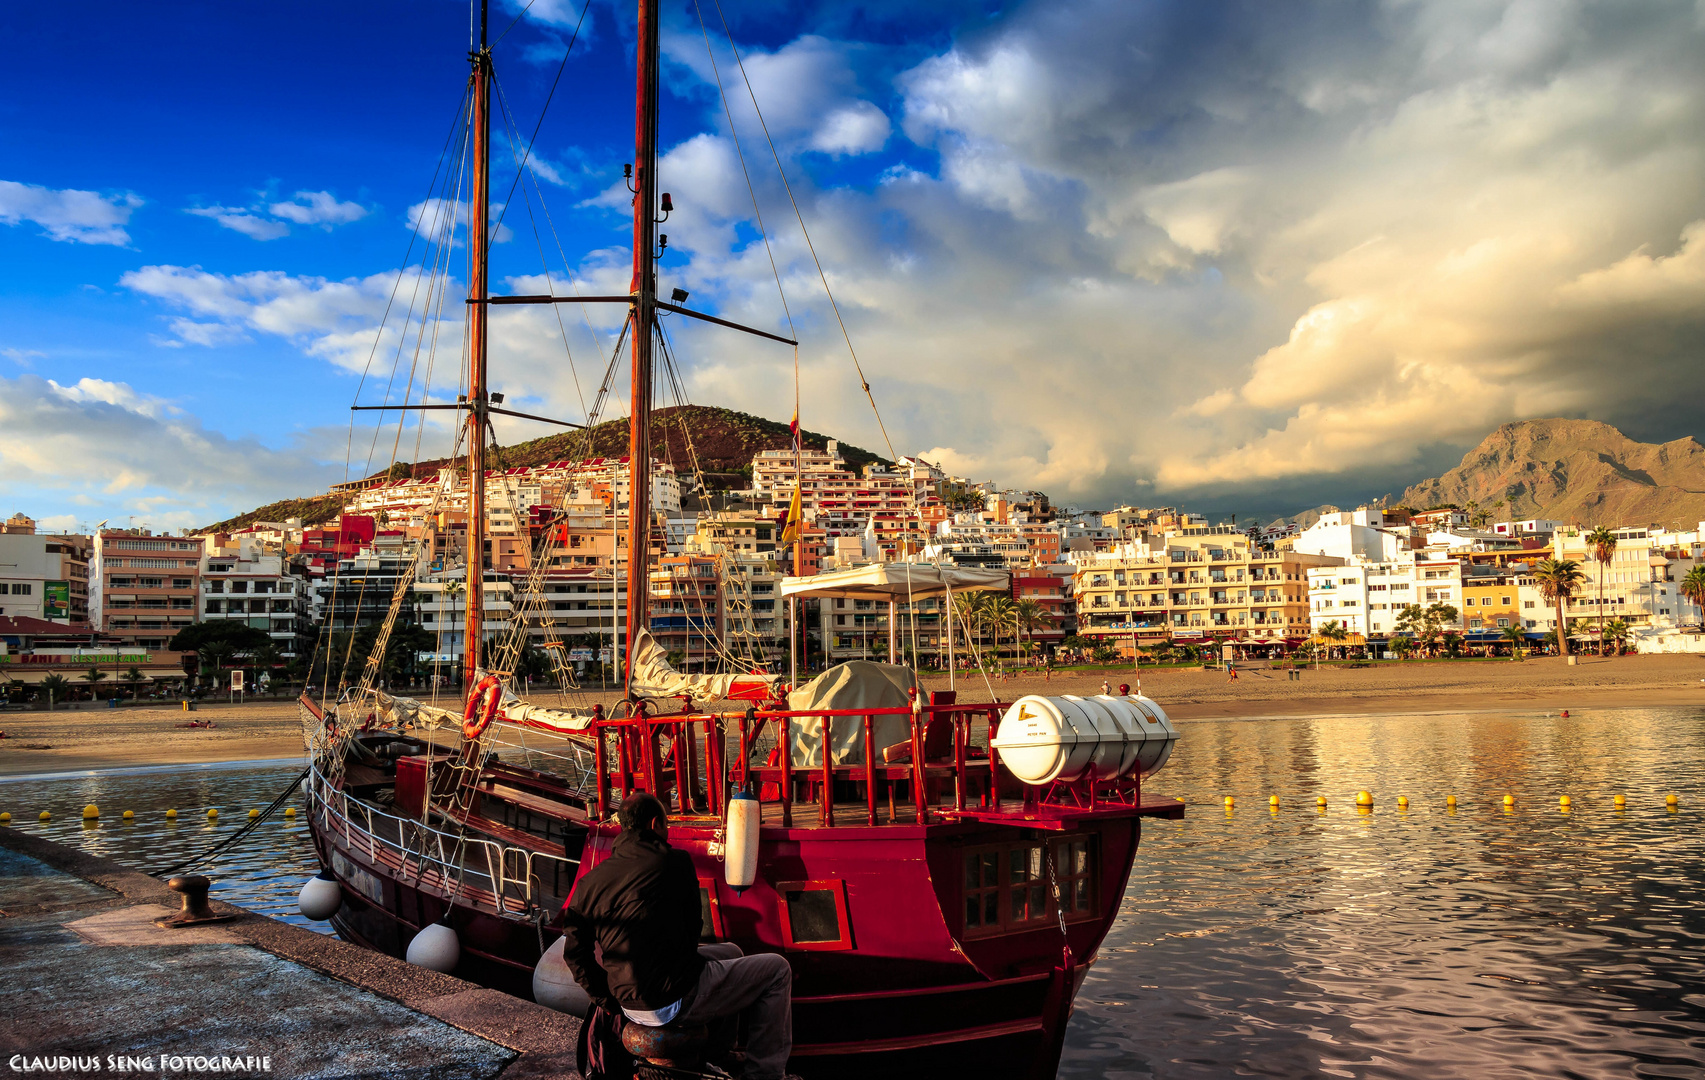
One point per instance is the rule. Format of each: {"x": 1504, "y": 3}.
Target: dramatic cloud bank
{"x": 1170, "y": 251}
{"x": 1117, "y": 251}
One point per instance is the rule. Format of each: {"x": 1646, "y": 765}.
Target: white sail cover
{"x": 398, "y": 711}
{"x": 654, "y": 677}
{"x": 857, "y": 684}
{"x": 896, "y": 581}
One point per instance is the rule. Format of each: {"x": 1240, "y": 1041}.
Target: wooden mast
{"x": 644, "y": 290}
{"x": 478, "y": 235}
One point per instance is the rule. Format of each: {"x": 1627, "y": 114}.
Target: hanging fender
{"x": 482, "y": 707}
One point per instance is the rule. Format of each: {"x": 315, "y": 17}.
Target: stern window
{"x": 816, "y": 914}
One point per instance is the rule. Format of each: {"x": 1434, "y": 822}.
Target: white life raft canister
{"x": 1066, "y": 738}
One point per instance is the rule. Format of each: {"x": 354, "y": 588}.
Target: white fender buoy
{"x": 740, "y": 853}
{"x": 435, "y": 947}
{"x": 320, "y": 898}
{"x": 554, "y": 986}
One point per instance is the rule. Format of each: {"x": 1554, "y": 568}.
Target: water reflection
{"x": 1425, "y": 941}
{"x": 263, "y": 872}
{"x": 1484, "y": 941}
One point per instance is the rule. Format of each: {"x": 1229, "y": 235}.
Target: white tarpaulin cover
{"x": 896, "y": 581}
{"x": 857, "y": 684}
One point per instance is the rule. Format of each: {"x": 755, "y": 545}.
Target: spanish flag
{"x": 795, "y": 520}
{"x": 793, "y": 426}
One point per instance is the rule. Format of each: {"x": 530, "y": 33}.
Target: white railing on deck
{"x": 337, "y": 813}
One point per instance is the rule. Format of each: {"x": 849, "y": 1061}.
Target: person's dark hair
{"x": 641, "y": 810}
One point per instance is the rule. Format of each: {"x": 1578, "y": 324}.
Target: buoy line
{"x": 254, "y": 820}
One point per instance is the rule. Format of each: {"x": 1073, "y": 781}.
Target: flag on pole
{"x": 795, "y": 520}
{"x": 793, "y": 426}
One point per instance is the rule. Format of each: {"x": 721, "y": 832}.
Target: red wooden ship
{"x": 940, "y": 875}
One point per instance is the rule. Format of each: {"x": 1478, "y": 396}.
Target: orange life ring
{"x": 492, "y": 691}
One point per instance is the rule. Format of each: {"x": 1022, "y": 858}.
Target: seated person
{"x": 631, "y": 937}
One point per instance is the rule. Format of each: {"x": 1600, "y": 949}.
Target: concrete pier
{"x": 88, "y": 974}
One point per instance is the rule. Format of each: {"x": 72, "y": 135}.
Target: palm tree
{"x": 93, "y": 676}
{"x": 1693, "y": 587}
{"x": 1000, "y": 615}
{"x": 1402, "y": 645}
{"x": 1333, "y": 631}
{"x": 1617, "y": 632}
{"x": 134, "y": 679}
{"x": 57, "y": 687}
{"x": 1029, "y": 615}
{"x": 1517, "y": 637}
{"x": 1601, "y": 542}
{"x": 1557, "y": 580}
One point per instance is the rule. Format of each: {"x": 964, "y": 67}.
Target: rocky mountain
{"x": 1575, "y": 471}
{"x": 721, "y": 441}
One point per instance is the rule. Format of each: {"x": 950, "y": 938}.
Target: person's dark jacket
{"x": 640, "y": 907}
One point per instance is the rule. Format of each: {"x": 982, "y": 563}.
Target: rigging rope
{"x": 823, "y": 277}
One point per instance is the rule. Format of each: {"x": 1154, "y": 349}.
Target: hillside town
{"x": 116, "y": 612}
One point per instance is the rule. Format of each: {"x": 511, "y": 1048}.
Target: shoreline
{"x": 46, "y": 744}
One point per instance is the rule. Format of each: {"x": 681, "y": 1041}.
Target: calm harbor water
{"x": 1397, "y": 943}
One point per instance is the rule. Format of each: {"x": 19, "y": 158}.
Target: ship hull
{"x": 912, "y": 995}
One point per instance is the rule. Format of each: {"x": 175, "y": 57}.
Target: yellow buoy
{"x": 5, "y": 819}
{"x": 1403, "y": 801}
{"x": 1671, "y": 800}
{"x": 1563, "y": 801}
{"x": 1273, "y": 800}
{"x": 1230, "y": 802}
{"x": 213, "y": 812}
{"x": 45, "y": 816}
{"x": 1509, "y": 800}
{"x": 289, "y": 811}
{"x": 130, "y": 815}
{"x": 254, "y": 813}
{"x": 1320, "y": 800}
{"x": 91, "y": 812}
{"x": 1620, "y": 801}
{"x": 171, "y": 814}
{"x": 1364, "y": 798}
{"x": 1450, "y": 800}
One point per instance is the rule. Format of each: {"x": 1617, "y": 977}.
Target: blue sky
{"x": 1139, "y": 251}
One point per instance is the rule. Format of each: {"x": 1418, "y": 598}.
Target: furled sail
{"x": 654, "y": 677}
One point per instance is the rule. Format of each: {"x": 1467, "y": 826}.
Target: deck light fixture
{"x": 679, "y": 296}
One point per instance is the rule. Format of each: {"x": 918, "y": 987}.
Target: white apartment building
{"x": 44, "y": 577}
{"x": 259, "y": 590}
{"x": 1365, "y": 598}
{"x": 1353, "y": 535}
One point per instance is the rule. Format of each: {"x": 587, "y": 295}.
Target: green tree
{"x": 1517, "y": 637}
{"x": 1426, "y": 625}
{"x": 1402, "y": 645}
{"x": 1029, "y": 615}
{"x": 1616, "y": 631}
{"x": 1557, "y": 580}
{"x": 216, "y": 641}
{"x": 134, "y": 678}
{"x": 58, "y": 687}
{"x": 1601, "y": 542}
{"x": 1333, "y": 633}
{"x": 1693, "y": 587}
{"x": 93, "y": 676}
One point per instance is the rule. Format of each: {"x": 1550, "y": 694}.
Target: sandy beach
{"x": 43, "y": 742}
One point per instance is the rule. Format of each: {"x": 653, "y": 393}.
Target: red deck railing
{"x": 714, "y": 752}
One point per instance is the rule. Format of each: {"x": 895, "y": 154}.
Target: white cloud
{"x": 23, "y": 357}
{"x": 84, "y": 217}
{"x": 240, "y": 220}
{"x": 317, "y": 208}
{"x": 105, "y": 444}
{"x": 434, "y": 217}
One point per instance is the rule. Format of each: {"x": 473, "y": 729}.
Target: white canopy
{"x": 896, "y": 581}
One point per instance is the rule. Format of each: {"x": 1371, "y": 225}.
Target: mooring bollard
{"x": 193, "y": 888}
